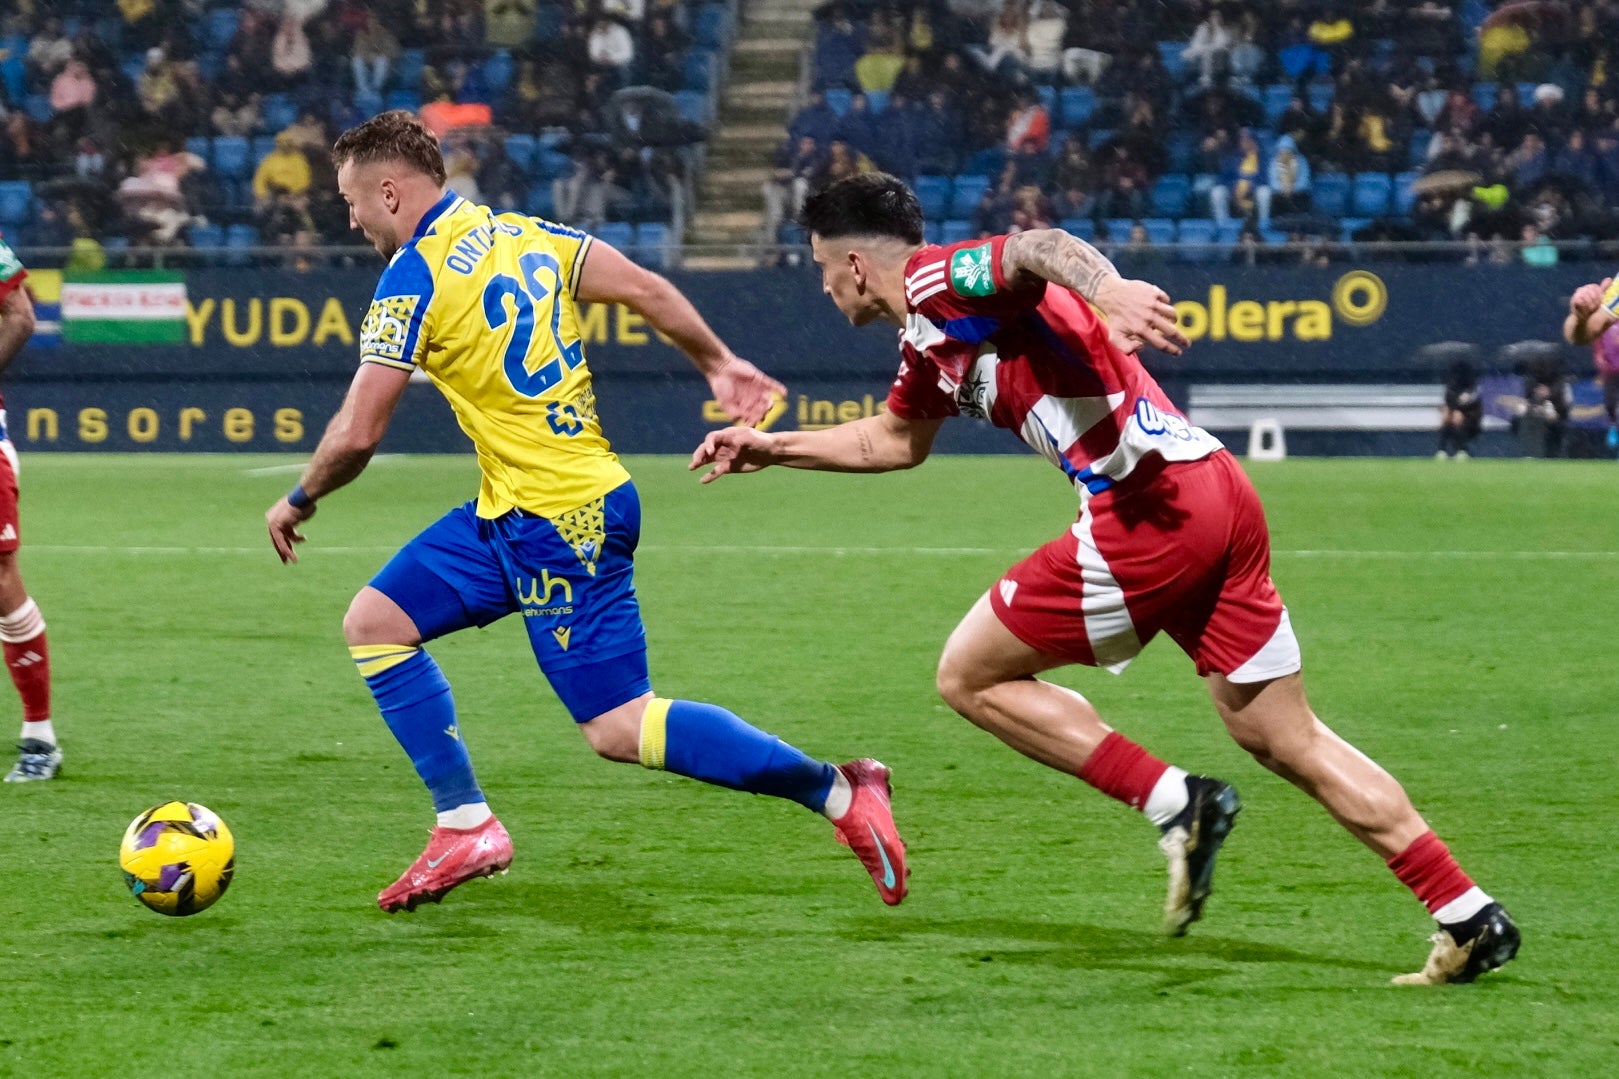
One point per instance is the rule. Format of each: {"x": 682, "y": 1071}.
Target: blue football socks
{"x": 416, "y": 702}
{"x": 707, "y": 742}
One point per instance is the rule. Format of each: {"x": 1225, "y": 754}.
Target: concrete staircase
{"x": 753, "y": 112}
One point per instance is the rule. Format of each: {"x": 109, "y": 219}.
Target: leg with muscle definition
{"x": 988, "y": 676}
{"x": 1273, "y": 721}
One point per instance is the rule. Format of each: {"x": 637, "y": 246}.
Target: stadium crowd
{"x": 174, "y": 122}
{"x": 1143, "y": 121}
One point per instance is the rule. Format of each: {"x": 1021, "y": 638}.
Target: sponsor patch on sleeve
{"x": 386, "y": 329}
{"x": 970, "y": 271}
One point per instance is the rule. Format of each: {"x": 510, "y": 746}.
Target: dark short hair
{"x": 395, "y": 135}
{"x": 871, "y": 204}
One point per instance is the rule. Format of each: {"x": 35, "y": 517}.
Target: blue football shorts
{"x": 571, "y": 578}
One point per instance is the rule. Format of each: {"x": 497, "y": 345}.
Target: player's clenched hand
{"x": 284, "y": 519}
{"x": 1587, "y": 298}
{"x": 733, "y": 449}
{"x": 744, "y": 391}
{"x": 1138, "y": 313}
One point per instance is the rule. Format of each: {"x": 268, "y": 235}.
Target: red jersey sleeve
{"x": 955, "y": 297}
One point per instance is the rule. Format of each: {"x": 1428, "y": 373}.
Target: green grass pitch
{"x": 1458, "y": 622}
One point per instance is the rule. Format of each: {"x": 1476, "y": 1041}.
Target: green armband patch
{"x": 970, "y": 271}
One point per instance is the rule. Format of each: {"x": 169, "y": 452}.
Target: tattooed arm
{"x": 1138, "y": 312}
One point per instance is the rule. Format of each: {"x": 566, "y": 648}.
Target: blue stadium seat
{"x": 1351, "y": 225}
{"x": 652, "y": 247}
{"x": 711, "y": 27}
{"x": 219, "y": 26}
{"x": 407, "y": 69}
{"x": 1228, "y": 233}
{"x": 619, "y": 234}
{"x": 1160, "y": 230}
{"x": 699, "y": 69}
{"x": 206, "y": 236}
{"x": 1526, "y": 93}
{"x": 238, "y": 238}
{"x": 368, "y": 105}
{"x": 1277, "y": 98}
{"x": 969, "y": 189}
{"x": 1048, "y": 98}
{"x": 199, "y": 145}
{"x": 521, "y": 148}
{"x": 409, "y": 100}
{"x": 132, "y": 67}
{"x": 1171, "y": 194}
{"x": 1202, "y": 184}
{"x": 1405, "y": 195}
{"x": 986, "y": 162}
{"x": 1077, "y": 103}
{"x": 231, "y": 157}
{"x": 14, "y": 74}
{"x": 933, "y": 192}
{"x": 1082, "y": 227}
{"x": 1100, "y": 135}
{"x": 877, "y": 100}
{"x": 550, "y": 163}
{"x": 693, "y": 106}
{"x": 1273, "y": 236}
{"x": 1198, "y": 231}
{"x": 1320, "y": 96}
{"x": 1484, "y": 94}
{"x": 279, "y": 111}
{"x": 1420, "y": 138}
{"x": 1172, "y": 54}
{"x": 539, "y": 202}
{"x": 955, "y": 231}
{"x": 1329, "y": 194}
{"x": 38, "y": 108}
{"x": 16, "y": 202}
{"x": 838, "y": 98}
{"x": 497, "y": 71}
{"x": 260, "y": 147}
{"x": 1118, "y": 228}
{"x": 1183, "y": 151}
{"x": 1369, "y": 196}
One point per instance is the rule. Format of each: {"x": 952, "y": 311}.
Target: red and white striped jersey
{"x": 1035, "y": 360}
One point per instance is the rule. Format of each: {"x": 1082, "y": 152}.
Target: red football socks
{"x": 1121, "y": 769}
{"x": 1429, "y": 870}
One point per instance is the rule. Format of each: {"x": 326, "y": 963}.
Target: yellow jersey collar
{"x": 439, "y": 209}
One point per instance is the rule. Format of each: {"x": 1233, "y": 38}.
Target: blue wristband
{"x": 297, "y": 498}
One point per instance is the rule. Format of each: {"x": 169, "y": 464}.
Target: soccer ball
{"x": 178, "y": 858}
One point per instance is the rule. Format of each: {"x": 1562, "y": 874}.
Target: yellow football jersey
{"x": 483, "y": 303}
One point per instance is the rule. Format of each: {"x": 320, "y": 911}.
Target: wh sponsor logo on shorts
{"x": 536, "y": 594}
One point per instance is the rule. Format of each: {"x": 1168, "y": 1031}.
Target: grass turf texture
{"x": 1457, "y": 625}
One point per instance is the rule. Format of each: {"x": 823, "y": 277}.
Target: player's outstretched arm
{"x": 881, "y": 443}
{"x": 742, "y": 390}
{"x": 1587, "y": 318}
{"x": 16, "y": 324}
{"x": 345, "y": 449}
{"x": 1138, "y": 312}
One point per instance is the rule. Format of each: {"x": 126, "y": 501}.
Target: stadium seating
{"x": 16, "y": 202}
{"x": 617, "y": 234}
{"x": 1076, "y": 104}
{"x": 232, "y": 157}
{"x": 1171, "y": 194}
{"x": 1369, "y": 196}
{"x": 969, "y": 190}
{"x": 933, "y": 192}
{"x": 1405, "y": 196}
{"x": 956, "y": 231}
{"x": 1160, "y": 230}
{"x": 1329, "y": 194}
{"x": 238, "y": 238}
{"x": 1082, "y": 227}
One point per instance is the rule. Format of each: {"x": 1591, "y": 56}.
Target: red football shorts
{"x": 9, "y": 528}
{"x": 1185, "y": 552}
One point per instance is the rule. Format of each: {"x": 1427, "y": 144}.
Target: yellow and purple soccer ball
{"x": 178, "y": 858}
